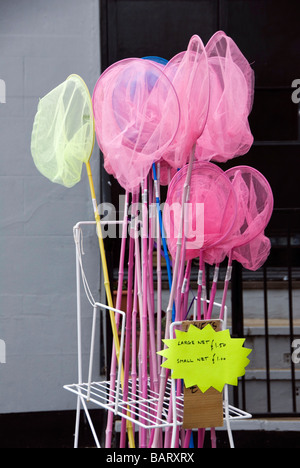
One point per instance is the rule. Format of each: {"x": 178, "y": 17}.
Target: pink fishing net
{"x": 227, "y": 133}
{"x": 209, "y": 214}
{"x": 253, "y": 254}
{"x": 251, "y": 246}
{"x": 247, "y": 241}
{"x": 137, "y": 115}
{"x": 188, "y": 72}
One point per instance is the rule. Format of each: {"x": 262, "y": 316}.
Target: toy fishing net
{"x": 63, "y": 132}
{"x": 227, "y": 133}
{"x": 136, "y": 118}
{"x": 209, "y": 213}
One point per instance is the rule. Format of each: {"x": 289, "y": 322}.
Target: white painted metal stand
{"x": 140, "y": 411}
{"x": 82, "y": 396}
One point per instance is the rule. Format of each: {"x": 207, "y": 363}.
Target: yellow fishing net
{"x": 63, "y": 132}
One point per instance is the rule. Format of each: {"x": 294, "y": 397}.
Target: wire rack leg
{"x": 77, "y": 422}
{"x": 228, "y": 426}
{"x": 80, "y": 401}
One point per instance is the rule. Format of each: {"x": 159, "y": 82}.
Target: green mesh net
{"x": 63, "y": 132}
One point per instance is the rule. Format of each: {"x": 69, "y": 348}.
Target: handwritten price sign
{"x": 205, "y": 358}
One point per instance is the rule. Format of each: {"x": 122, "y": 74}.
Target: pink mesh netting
{"x": 166, "y": 172}
{"x": 227, "y": 133}
{"x": 210, "y": 212}
{"x": 251, "y": 246}
{"x": 188, "y": 72}
{"x": 137, "y": 115}
{"x": 247, "y": 241}
{"x": 254, "y": 254}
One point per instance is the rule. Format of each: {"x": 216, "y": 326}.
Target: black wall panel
{"x": 266, "y": 31}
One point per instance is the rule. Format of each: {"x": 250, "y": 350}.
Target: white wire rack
{"x": 109, "y": 395}
{"x": 135, "y": 408}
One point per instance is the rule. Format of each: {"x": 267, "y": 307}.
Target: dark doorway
{"x": 267, "y": 32}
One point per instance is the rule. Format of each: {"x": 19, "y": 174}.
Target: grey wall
{"x": 41, "y": 43}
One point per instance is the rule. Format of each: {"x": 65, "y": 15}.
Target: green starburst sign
{"x": 205, "y": 358}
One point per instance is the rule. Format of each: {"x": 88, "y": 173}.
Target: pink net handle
{"x": 137, "y": 115}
